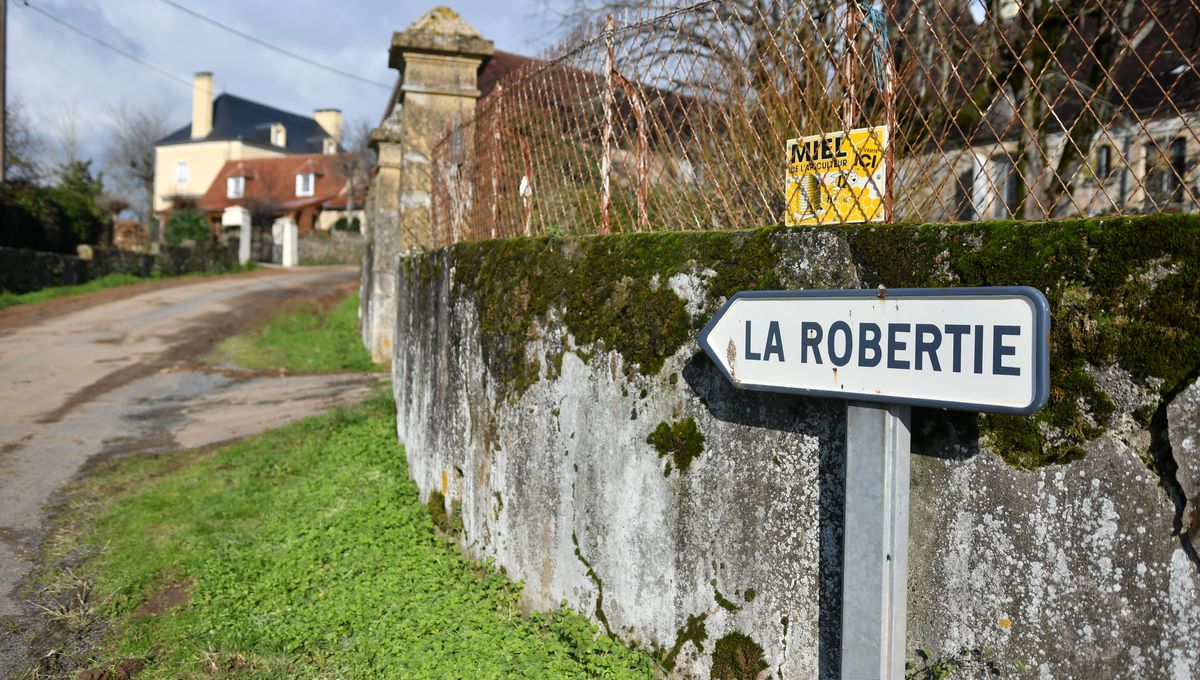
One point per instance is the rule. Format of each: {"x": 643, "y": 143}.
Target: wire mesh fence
{"x": 679, "y": 118}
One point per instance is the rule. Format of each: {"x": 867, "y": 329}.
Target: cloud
{"x": 53, "y": 71}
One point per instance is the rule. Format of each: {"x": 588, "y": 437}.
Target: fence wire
{"x": 678, "y": 119}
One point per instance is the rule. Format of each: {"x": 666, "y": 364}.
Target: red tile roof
{"x": 499, "y": 67}
{"x": 272, "y": 182}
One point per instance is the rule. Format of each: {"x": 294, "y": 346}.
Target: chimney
{"x": 202, "y": 104}
{"x": 330, "y": 120}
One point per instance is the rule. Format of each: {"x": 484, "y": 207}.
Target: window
{"x": 1007, "y": 188}
{"x": 1179, "y": 168}
{"x": 1103, "y": 162}
{"x": 235, "y": 187}
{"x": 1165, "y": 168}
{"x": 278, "y": 134}
{"x": 964, "y": 206}
{"x": 304, "y": 184}
{"x": 181, "y": 173}
{"x": 330, "y": 147}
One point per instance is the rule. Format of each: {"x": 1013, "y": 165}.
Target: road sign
{"x": 980, "y": 349}
{"x": 837, "y": 177}
{"x": 977, "y": 349}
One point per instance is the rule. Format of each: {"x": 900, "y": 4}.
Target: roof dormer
{"x": 278, "y": 135}
{"x": 306, "y": 183}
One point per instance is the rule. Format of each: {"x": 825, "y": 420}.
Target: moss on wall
{"x": 693, "y": 631}
{"x": 737, "y": 657}
{"x": 1122, "y": 291}
{"x": 612, "y": 290}
{"x": 681, "y": 441}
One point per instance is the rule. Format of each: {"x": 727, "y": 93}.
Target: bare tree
{"x": 129, "y": 153}
{"x": 356, "y": 160}
{"x": 23, "y": 162}
{"x": 67, "y": 145}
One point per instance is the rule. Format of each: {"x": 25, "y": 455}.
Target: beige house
{"x": 230, "y": 128}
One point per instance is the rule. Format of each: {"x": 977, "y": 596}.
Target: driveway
{"x": 115, "y": 374}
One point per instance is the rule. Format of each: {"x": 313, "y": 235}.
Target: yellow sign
{"x": 837, "y": 177}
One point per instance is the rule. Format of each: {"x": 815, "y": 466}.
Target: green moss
{"x": 723, "y": 601}
{"x": 694, "y": 631}
{"x": 750, "y": 594}
{"x": 1122, "y": 291}
{"x": 613, "y": 291}
{"x": 681, "y": 440}
{"x": 737, "y": 657}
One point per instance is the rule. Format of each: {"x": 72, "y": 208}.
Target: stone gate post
{"x": 439, "y": 58}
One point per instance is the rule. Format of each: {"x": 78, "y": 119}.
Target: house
{"x": 311, "y": 190}
{"x": 230, "y": 128}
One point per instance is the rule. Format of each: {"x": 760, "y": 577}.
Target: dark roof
{"x": 237, "y": 118}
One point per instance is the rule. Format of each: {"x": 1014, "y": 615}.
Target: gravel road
{"x": 116, "y": 375}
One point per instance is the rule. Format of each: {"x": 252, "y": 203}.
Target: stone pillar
{"x": 237, "y": 216}
{"x": 439, "y": 57}
{"x": 290, "y": 233}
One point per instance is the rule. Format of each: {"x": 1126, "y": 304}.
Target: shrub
{"x": 187, "y": 224}
{"x": 53, "y": 218}
{"x": 343, "y": 225}
{"x": 78, "y": 195}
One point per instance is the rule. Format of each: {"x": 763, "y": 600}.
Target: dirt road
{"x": 92, "y": 380}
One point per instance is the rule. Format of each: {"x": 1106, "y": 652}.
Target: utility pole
{"x": 3, "y": 93}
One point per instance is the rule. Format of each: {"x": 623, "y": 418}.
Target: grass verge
{"x": 304, "y": 337}
{"x": 8, "y": 299}
{"x": 303, "y": 552}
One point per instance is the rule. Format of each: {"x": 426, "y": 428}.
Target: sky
{"x": 54, "y": 73}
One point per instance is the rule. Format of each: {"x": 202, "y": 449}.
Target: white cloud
{"x": 52, "y": 70}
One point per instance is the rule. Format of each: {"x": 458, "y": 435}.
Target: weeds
{"x": 309, "y": 555}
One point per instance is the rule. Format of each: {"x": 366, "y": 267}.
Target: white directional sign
{"x": 978, "y": 349}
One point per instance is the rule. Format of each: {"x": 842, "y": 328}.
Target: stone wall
{"x": 22, "y": 271}
{"x": 553, "y": 393}
{"x": 333, "y": 247}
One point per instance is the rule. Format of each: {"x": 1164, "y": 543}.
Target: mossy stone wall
{"x": 23, "y": 271}
{"x": 1123, "y": 291}
{"x": 704, "y": 523}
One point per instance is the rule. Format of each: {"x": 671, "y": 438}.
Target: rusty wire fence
{"x": 677, "y": 118}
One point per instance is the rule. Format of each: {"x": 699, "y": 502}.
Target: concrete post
{"x": 237, "y": 216}
{"x": 291, "y": 245}
{"x": 439, "y": 57}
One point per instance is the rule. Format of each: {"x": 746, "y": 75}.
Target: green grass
{"x": 8, "y": 299}
{"x": 301, "y": 338}
{"x": 308, "y": 554}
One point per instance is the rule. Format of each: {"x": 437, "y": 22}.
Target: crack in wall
{"x": 1163, "y": 456}
{"x": 596, "y": 581}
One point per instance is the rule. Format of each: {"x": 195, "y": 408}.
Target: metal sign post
{"x": 977, "y": 349}
{"x": 875, "y": 557}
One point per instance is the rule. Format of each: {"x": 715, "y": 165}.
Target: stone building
{"x": 231, "y": 128}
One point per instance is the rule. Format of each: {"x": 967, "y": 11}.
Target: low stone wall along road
{"x": 115, "y": 375}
